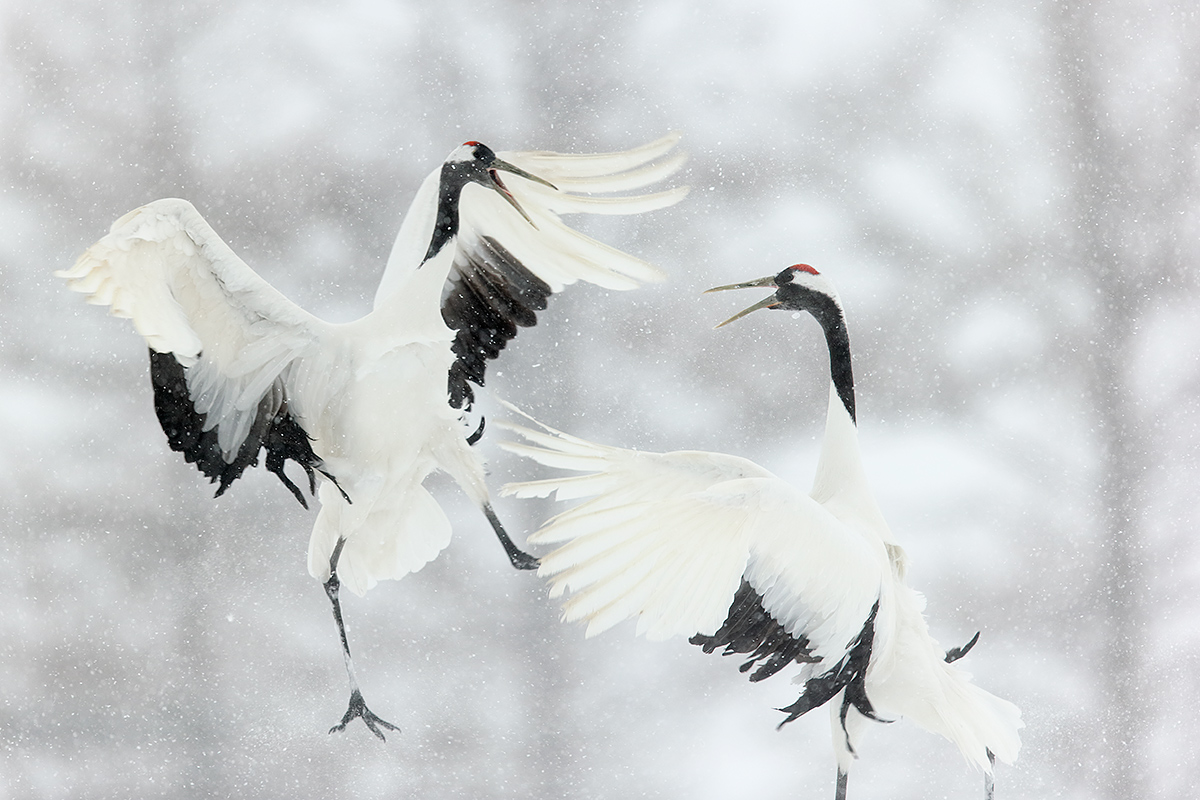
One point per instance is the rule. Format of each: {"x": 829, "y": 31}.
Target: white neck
{"x": 841, "y": 483}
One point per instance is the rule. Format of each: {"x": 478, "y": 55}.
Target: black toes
{"x": 358, "y": 709}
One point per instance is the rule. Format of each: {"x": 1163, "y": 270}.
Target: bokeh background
{"x": 1005, "y": 193}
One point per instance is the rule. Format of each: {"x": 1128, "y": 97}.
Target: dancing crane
{"x": 372, "y": 407}
{"x": 717, "y": 548}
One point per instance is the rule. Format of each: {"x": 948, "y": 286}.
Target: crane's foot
{"x": 522, "y": 560}
{"x": 518, "y": 557}
{"x": 358, "y": 708}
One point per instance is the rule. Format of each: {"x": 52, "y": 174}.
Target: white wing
{"x": 669, "y": 537}
{"x": 229, "y": 332}
{"x": 554, "y": 252}
{"x": 504, "y": 269}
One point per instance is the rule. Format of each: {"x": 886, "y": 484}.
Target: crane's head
{"x": 474, "y": 162}
{"x": 797, "y": 288}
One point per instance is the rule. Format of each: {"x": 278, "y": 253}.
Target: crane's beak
{"x": 769, "y": 302}
{"x": 499, "y": 186}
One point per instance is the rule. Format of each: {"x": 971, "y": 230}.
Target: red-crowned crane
{"x": 375, "y": 405}
{"x": 717, "y": 548}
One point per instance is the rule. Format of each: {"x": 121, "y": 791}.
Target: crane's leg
{"x": 519, "y": 558}
{"x": 989, "y": 780}
{"x": 840, "y": 792}
{"x": 358, "y": 706}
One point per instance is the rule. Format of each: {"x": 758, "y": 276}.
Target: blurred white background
{"x": 1005, "y": 194}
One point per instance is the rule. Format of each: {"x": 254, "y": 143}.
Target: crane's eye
{"x": 789, "y": 274}
{"x": 483, "y": 153}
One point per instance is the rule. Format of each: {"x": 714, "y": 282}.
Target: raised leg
{"x": 358, "y": 707}
{"x": 840, "y": 792}
{"x": 519, "y": 558}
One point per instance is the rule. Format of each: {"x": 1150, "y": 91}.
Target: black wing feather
{"x": 490, "y": 294}
{"x": 273, "y": 429}
{"x": 850, "y": 674}
{"x": 750, "y": 629}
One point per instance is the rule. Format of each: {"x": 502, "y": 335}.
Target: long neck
{"x": 445, "y": 224}
{"x": 841, "y": 482}
{"x": 829, "y": 314}
{"x": 408, "y": 299}
{"x": 840, "y": 475}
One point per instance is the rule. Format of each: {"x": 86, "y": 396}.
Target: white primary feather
{"x": 607, "y": 172}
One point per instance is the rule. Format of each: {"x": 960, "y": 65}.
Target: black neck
{"x": 833, "y": 322}
{"x": 445, "y": 225}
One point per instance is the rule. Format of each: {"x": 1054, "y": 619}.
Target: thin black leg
{"x": 519, "y": 558}
{"x": 989, "y": 780}
{"x": 840, "y": 792}
{"x": 357, "y": 707}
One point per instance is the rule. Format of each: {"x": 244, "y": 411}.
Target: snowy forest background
{"x": 1005, "y": 194}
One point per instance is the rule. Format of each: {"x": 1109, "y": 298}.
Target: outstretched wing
{"x": 504, "y": 268}
{"x": 645, "y": 544}
{"x": 693, "y": 542}
{"x": 222, "y": 340}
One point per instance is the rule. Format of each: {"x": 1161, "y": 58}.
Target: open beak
{"x": 503, "y": 190}
{"x": 768, "y": 302}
